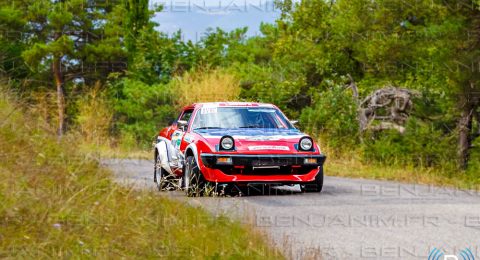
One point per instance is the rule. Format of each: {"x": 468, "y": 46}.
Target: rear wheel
{"x": 193, "y": 181}
{"x": 316, "y": 185}
{"x": 160, "y": 175}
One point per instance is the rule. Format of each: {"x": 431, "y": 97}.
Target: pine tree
{"x": 69, "y": 38}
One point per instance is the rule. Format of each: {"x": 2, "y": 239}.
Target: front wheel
{"x": 316, "y": 185}
{"x": 193, "y": 180}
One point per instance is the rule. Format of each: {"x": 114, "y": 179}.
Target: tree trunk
{"x": 465, "y": 139}
{"x": 57, "y": 74}
{"x": 361, "y": 118}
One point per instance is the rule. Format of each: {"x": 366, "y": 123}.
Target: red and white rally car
{"x": 213, "y": 145}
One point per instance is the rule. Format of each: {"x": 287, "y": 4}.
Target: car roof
{"x": 233, "y": 104}
{"x": 228, "y": 104}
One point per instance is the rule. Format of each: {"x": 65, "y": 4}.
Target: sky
{"x": 193, "y": 17}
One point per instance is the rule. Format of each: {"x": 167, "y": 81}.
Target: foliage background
{"x": 300, "y": 63}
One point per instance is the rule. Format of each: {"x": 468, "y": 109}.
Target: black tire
{"x": 316, "y": 185}
{"x": 193, "y": 181}
{"x": 159, "y": 175}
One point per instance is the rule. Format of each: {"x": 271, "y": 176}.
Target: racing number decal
{"x": 208, "y": 110}
{"x": 177, "y": 139}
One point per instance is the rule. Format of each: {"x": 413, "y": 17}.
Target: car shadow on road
{"x": 282, "y": 190}
{"x": 262, "y": 190}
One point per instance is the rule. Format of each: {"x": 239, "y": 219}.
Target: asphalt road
{"x": 350, "y": 219}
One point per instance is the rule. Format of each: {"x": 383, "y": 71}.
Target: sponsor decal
{"x": 263, "y": 138}
{"x": 268, "y": 138}
{"x": 208, "y": 110}
{"x": 188, "y": 138}
{"x": 268, "y": 147}
{"x": 239, "y": 104}
{"x": 177, "y": 138}
{"x": 264, "y": 110}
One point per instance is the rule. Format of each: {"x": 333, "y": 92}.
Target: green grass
{"x": 58, "y": 203}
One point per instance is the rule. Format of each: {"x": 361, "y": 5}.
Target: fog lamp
{"x": 224, "y": 160}
{"x": 310, "y": 161}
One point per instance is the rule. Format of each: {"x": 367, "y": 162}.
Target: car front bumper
{"x": 282, "y": 168}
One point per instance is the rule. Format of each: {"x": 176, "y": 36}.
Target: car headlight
{"x": 227, "y": 143}
{"x": 305, "y": 144}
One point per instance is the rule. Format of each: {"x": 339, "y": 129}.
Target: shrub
{"x": 283, "y": 86}
{"x": 205, "y": 86}
{"x": 141, "y": 109}
{"x": 474, "y": 163}
{"x": 421, "y": 145}
{"x": 333, "y": 115}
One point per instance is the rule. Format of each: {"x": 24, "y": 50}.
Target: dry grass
{"x": 94, "y": 116}
{"x": 93, "y": 133}
{"x": 109, "y": 151}
{"x": 58, "y": 203}
{"x": 216, "y": 85}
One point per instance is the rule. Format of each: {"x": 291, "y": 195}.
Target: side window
{"x": 186, "y": 115}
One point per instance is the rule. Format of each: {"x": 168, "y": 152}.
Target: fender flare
{"x": 162, "y": 150}
{"x": 192, "y": 147}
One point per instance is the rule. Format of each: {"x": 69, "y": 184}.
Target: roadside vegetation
{"x": 59, "y": 203}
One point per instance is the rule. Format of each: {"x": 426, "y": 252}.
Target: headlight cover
{"x": 305, "y": 144}
{"x": 227, "y": 143}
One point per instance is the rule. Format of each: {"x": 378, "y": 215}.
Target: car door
{"x": 179, "y": 133}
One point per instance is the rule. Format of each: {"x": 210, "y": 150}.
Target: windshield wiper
{"x": 208, "y": 127}
{"x": 251, "y": 126}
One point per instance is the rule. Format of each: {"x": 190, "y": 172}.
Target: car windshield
{"x": 239, "y": 117}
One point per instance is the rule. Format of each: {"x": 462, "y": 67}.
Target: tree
{"x": 11, "y": 46}
{"x": 68, "y": 38}
{"x": 463, "y": 57}
{"x": 137, "y": 19}
{"x": 153, "y": 56}
{"x": 429, "y": 46}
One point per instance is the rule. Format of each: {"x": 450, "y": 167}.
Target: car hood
{"x": 256, "y": 140}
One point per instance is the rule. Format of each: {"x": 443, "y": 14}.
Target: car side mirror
{"x": 293, "y": 122}
{"x": 170, "y": 122}
{"x": 182, "y": 124}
